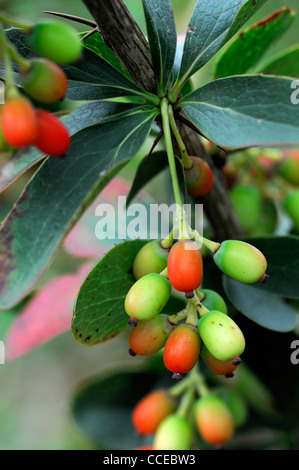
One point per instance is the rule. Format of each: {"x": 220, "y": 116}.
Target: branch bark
{"x": 121, "y": 33}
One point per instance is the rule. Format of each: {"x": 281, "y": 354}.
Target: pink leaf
{"x": 47, "y": 315}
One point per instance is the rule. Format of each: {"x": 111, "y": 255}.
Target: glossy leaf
{"x": 250, "y": 46}
{"x": 99, "y": 312}
{"x": 162, "y": 39}
{"x": 57, "y": 196}
{"x": 286, "y": 63}
{"x": 47, "y": 315}
{"x": 213, "y": 24}
{"x": 87, "y": 115}
{"x": 261, "y": 307}
{"x": 245, "y": 111}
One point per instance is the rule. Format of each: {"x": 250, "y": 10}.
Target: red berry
{"x": 152, "y": 410}
{"x": 185, "y": 267}
{"x": 182, "y": 349}
{"x": 226, "y": 368}
{"x": 19, "y": 122}
{"x": 53, "y": 137}
{"x": 199, "y": 178}
{"x": 148, "y": 337}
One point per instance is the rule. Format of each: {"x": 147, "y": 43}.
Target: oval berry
{"x": 152, "y": 258}
{"x": 225, "y": 368}
{"x": 174, "y": 433}
{"x": 53, "y": 137}
{"x": 214, "y": 420}
{"x": 147, "y": 297}
{"x": 221, "y": 335}
{"x": 291, "y": 206}
{"x": 45, "y": 81}
{"x": 289, "y": 169}
{"x": 182, "y": 349}
{"x": 213, "y": 301}
{"x": 199, "y": 178}
{"x": 56, "y": 41}
{"x": 19, "y": 122}
{"x": 185, "y": 266}
{"x": 241, "y": 261}
{"x": 148, "y": 337}
{"x": 247, "y": 203}
{"x": 152, "y": 410}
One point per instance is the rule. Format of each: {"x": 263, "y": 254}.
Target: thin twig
{"x": 157, "y": 140}
{"x": 78, "y": 19}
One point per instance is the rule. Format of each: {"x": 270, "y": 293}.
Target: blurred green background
{"x": 35, "y": 390}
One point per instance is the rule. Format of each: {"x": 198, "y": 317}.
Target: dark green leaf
{"x": 96, "y": 44}
{"x": 250, "y": 46}
{"x": 86, "y": 115}
{"x": 245, "y": 111}
{"x": 286, "y": 63}
{"x": 213, "y": 24}
{"x": 282, "y": 254}
{"x": 265, "y": 309}
{"x": 99, "y": 312}
{"x": 162, "y": 39}
{"x": 147, "y": 170}
{"x": 103, "y": 409}
{"x": 56, "y": 197}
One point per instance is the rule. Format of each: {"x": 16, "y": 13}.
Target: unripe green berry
{"x": 247, "y": 203}
{"x": 289, "y": 169}
{"x": 221, "y": 335}
{"x": 147, "y": 297}
{"x": 148, "y": 337}
{"x": 241, "y": 261}
{"x": 56, "y": 41}
{"x": 213, "y": 301}
{"x": 152, "y": 258}
{"x": 174, "y": 433}
{"x": 291, "y": 205}
{"x": 44, "y": 81}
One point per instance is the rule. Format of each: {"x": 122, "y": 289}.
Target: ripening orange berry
{"x": 19, "y": 122}
{"x": 184, "y": 265}
{"x": 182, "y": 349}
{"x": 152, "y": 410}
{"x": 199, "y": 178}
{"x": 214, "y": 420}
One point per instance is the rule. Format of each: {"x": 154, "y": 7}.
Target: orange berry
{"x": 152, "y": 410}
{"x": 19, "y": 122}
{"x": 185, "y": 267}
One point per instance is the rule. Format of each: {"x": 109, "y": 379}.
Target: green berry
{"x": 221, "y": 335}
{"x": 56, "y": 41}
{"x": 213, "y": 301}
{"x": 236, "y": 404}
{"x": 247, "y": 203}
{"x": 174, "y": 433}
{"x": 152, "y": 258}
{"x": 147, "y": 297}
{"x": 241, "y": 261}
{"x": 289, "y": 169}
{"x": 291, "y": 205}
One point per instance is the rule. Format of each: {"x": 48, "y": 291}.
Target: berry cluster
{"x": 42, "y": 80}
{"x": 175, "y": 419}
{"x": 202, "y": 329}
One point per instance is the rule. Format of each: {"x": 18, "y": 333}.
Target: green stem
{"x": 192, "y": 318}
{"x": 186, "y": 402}
{"x": 15, "y": 22}
{"x": 168, "y": 241}
{"x": 23, "y": 63}
{"x": 212, "y": 246}
{"x": 180, "y": 215}
{"x": 199, "y": 382}
{"x": 180, "y": 387}
{"x": 9, "y": 80}
{"x": 164, "y": 273}
{"x": 179, "y": 316}
{"x": 187, "y": 162}
{"x": 154, "y": 99}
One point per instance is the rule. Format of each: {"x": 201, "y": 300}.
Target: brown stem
{"x": 122, "y": 34}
